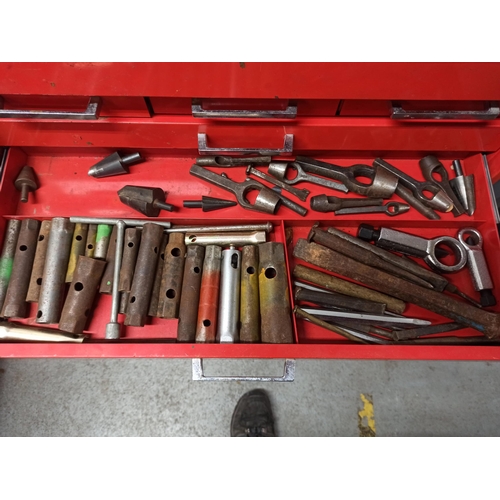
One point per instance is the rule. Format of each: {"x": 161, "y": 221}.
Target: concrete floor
{"x": 135, "y": 397}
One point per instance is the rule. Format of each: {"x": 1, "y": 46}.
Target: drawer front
{"x": 64, "y": 185}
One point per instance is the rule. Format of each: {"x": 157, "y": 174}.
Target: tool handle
{"x": 398, "y": 113}
{"x": 198, "y": 112}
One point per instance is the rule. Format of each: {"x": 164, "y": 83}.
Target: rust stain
{"x": 52, "y": 84}
{"x": 242, "y": 65}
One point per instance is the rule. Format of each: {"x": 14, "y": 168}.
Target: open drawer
{"x": 66, "y": 190}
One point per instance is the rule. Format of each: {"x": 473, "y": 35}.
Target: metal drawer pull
{"x": 203, "y": 149}
{"x": 398, "y": 113}
{"x": 288, "y": 374}
{"x": 198, "y": 112}
{"x": 91, "y": 113}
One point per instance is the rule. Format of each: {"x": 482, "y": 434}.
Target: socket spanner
{"x": 267, "y": 201}
{"x": 472, "y": 241}
{"x": 437, "y": 199}
{"x": 392, "y": 208}
{"x": 301, "y": 194}
{"x": 409, "y": 244}
{"x": 280, "y": 169}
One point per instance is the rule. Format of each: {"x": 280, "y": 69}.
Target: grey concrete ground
{"x": 135, "y": 397}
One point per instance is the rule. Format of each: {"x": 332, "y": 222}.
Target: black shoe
{"x": 253, "y": 416}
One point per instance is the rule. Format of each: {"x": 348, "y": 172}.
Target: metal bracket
{"x": 287, "y": 149}
{"x": 288, "y": 374}
{"x": 91, "y": 113}
{"x": 398, "y": 113}
{"x": 198, "y": 112}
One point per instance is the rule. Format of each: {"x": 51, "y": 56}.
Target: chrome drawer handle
{"x": 91, "y": 113}
{"x": 398, "y": 113}
{"x": 203, "y": 149}
{"x": 288, "y": 374}
{"x": 198, "y": 112}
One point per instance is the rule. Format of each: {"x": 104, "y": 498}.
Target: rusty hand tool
{"x": 274, "y": 295}
{"x": 25, "y": 182}
{"x": 486, "y": 322}
{"x": 146, "y": 200}
{"x": 301, "y": 194}
{"x": 81, "y": 294}
{"x": 391, "y": 209}
{"x": 439, "y": 199}
{"x": 50, "y": 301}
{"x": 395, "y": 264}
{"x": 102, "y": 238}
{"x": 476, "y": 340}
{"x": 38, "y": 262}
{"x": 383, "y": 183}
{"x": 206, "y": 323}
{"x": 13, "y": 332}
{"x": 431, "y": 166}
{"x": 267, "y": 201}
{"x": 208, "y": 204}
{"x": 112, "y": 221}
{"x": 324, "y": 203}
{"x": 409, "y": 244}
{"x": 130, "y": 250}
{"x": 229, "y": 161}
{"x": 190, "y": 294}
{"x": 171, "y": 280}
{"x": 77, "y": 249}
{"x": 225, "y": 239}
{"x": 91, "y": 240}
{"x": 414, "y": 333}
{"x": 229, "y": 298}
{"x": 114, "y": 164}
{"x": 106, "y": 285}
{"x": 267, "y": 227}
{"x": 463, "y": 187}
{"x": 7, "y": 257}
{"x": 406, "y": 195}
{"x": 472, "y": 241}
{"x": 279, "y": 171}
{"x": 249, "y": 303}
{"x": 113, "y": 327}
{"x": 155, "y": 301}
{"x": 338, "y": 300}
{"x": 15, "y": 305}
{"x": 347, "y": 288}
{"x": 144, "y": 275}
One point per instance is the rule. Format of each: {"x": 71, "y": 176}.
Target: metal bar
{"x": 398, "y": 113}
{"x": 113, "y": 221}
{"x": 198, "y": 112}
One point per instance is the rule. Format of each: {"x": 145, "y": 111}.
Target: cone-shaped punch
{"x": 114, "y": 164}
{"x": 463, "y": 186}
{"x": 146, "y": 200}
{"x": 208, "y": 204}
{"x": 25, "y": 182}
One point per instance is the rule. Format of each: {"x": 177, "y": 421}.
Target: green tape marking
{"x": 103, "y": 231}
{"x": 6, "y": 268}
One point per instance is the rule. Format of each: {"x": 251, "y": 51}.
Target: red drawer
{"x": 62, "y": 151}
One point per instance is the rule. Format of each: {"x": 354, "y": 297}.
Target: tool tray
{"x": 62, "y": 151}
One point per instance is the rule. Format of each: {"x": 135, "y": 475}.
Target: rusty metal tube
{"x": 77, "y": 248}
{"x": 190, "y": 294}
{"x": 155, "y": 294}
{"x": 106, "y": 285}
{"x": 91, "y": 240}
{"x": 7, "y": 258}
{"x": 206, "y": 324}
{"x": 347, "y": 288}
{"x": 142, "y": 284}
{"x": 54, "y": 272}
{"x": 15, "y": 305}
{"x": 39, "y": 262}
{"x": 487, "y": 323}
{"x": 130, "y": 251}
{"x": 81, "y": 294}
{"x": 171, "y": 281}
{"x": 249, "y": 300}
{"x": 274, "y": 295}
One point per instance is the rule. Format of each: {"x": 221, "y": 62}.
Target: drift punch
{"x": 392, "y": 208}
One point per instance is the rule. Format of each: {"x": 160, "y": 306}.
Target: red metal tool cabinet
{"x": 344, "y": 112}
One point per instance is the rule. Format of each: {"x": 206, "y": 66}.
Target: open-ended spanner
{"x": 382, "y": 185}
{"x": 409, "y": 244}
{"x": 438, "y": 201}
{"x": 279, "y": 170}
{"x": 267, "y": 201}
{"x": 392, "y": 208}
{"x": 431, "y": 166}
{"x": 472, "y": 241}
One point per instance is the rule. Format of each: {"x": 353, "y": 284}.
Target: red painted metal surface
{"x": 254, "y": 80}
